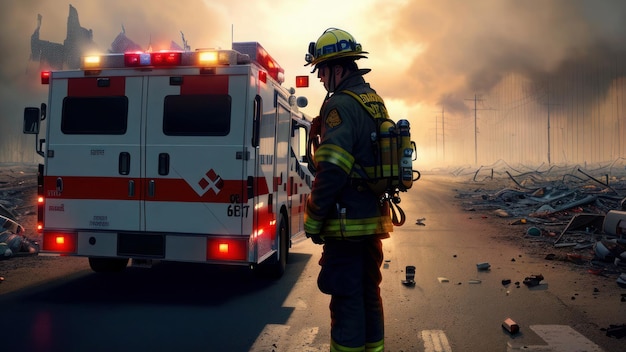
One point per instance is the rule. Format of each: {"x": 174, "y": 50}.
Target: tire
{"x": 274, "y": 267}
{"x": 108, "y": 265}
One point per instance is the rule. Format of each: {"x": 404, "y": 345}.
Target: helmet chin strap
{"x": 332, "y": 82}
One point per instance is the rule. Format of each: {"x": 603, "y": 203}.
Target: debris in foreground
{"x": 483, "y": 266}
{"x": 510, "y": 326}
{"x": 617, "y": 331}
{"x": 533, "y": 280}
{"x": 410, "y": 276}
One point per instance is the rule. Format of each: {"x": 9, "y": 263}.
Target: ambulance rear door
{"x": 194, "y": 154}
{"x": 93, "y": 153}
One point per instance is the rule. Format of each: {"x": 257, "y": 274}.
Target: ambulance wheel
{"x": 108, "y": 265}
{"x": 274, "y": 267}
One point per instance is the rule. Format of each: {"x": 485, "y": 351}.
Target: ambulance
{"x": 187, "y": 156}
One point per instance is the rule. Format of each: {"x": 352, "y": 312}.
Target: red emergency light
{"x": 302, "y": 81}
{"x": 257, "y": 53}
{"x": 45, "y": 77}
{"x": 161, "y": 58}
{"x": 166, "y": 58}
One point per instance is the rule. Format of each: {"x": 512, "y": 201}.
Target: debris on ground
{"x": 572, "y": 214}
{"x": 510, "y": 326}
{"x": 12, "y": 244}
{"x": 17, "y": 183}
{"x": 621, "y": 281}
{"x": 410, "y": 276}
{"x": 617, "y": 331}
{"x": 533, "y": 280}
{"x": 483, "y": 266}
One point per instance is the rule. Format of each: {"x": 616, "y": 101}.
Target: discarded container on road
{"x": 510, "y": 326}
{"x": 410, "y": 276}
{"x": 483, "y": 266}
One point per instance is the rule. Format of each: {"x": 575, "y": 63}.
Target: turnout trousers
{"x": 351, "y": 274}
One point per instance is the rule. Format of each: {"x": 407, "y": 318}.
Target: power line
{"x": 476, "y": 100}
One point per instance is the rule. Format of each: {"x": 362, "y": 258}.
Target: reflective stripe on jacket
{"x": 346, "y": 131}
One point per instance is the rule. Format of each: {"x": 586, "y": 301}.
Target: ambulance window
{"x": 196, "y": 115}
{"x": 94, "y": 115}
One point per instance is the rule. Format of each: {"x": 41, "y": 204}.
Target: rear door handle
{"x": 164, "y": 164}
{"x": 124, "y": 163}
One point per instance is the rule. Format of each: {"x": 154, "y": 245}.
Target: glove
{"x": 316, "y": 238}
{"x": 316, "y": 128}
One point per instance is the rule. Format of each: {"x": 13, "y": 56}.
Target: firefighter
{"x": 347, "y": 218}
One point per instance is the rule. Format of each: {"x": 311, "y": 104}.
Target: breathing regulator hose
{"x": 394, "y": 216}
{"x": 398, "y": 217}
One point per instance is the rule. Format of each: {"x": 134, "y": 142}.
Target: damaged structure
{"x": 66, "y": 55}
{"x": 563, "y": 209}
{"x": 78, "y": 42}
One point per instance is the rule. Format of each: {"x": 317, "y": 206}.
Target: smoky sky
{"x": 156, "y": 23}
{"x": 450, "y": 50}
{"x": 469, "y": 46}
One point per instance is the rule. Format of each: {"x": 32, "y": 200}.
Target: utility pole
{"x": 549, "y": 104}
{"x": 476, "y": 100}
{"x": 443, "y": 133}
{"x": 436, "y": 137}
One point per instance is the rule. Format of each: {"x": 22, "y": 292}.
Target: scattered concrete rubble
{"x": 533, "y": 280}
{"x": 574, "y": 214}
{"x": 15, "y": 185}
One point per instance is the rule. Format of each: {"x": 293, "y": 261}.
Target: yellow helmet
{"x": 333, "y": 44}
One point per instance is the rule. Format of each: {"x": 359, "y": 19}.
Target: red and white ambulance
{"x": 172, "y": 156}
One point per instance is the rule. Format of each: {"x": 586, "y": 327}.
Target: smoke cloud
{"x": 422, "y": 52}
{"x": 469, "y": 46}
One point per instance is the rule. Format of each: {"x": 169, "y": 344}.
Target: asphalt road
{"x": 58, "y": 304}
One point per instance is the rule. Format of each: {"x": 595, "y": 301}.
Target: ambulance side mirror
{"x": 32, "y": 117}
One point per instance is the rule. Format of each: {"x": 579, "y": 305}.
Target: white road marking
{"x": 435, "y": 341}
{"x": 563, "y": 338}
{"x": 278, "y": 338}
{"x": 558, "y": 338}
{"x": 268, "y": 338}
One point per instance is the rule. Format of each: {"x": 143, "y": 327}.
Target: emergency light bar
{"x": 242, "y": 53}
{"x": 164, "y": 59}
{"x": 257, "y": 53}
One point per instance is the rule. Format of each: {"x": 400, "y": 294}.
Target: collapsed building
{"x": 62, "y": 55}
{"x": 78, "y": 42}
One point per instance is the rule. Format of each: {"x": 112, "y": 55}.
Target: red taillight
{"x": 45, "y": 77}
{"x": 59, "y": 242}
{"x": 302, "y": 81}
{"x": 226, "y": 249}
{"x": 263, "y": 76}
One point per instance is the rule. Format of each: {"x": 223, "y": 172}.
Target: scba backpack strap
{"x": 393, "y": 172}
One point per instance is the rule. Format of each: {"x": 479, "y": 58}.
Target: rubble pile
{"x": 572, "y": 214}
{"x": 17, "y": 184}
